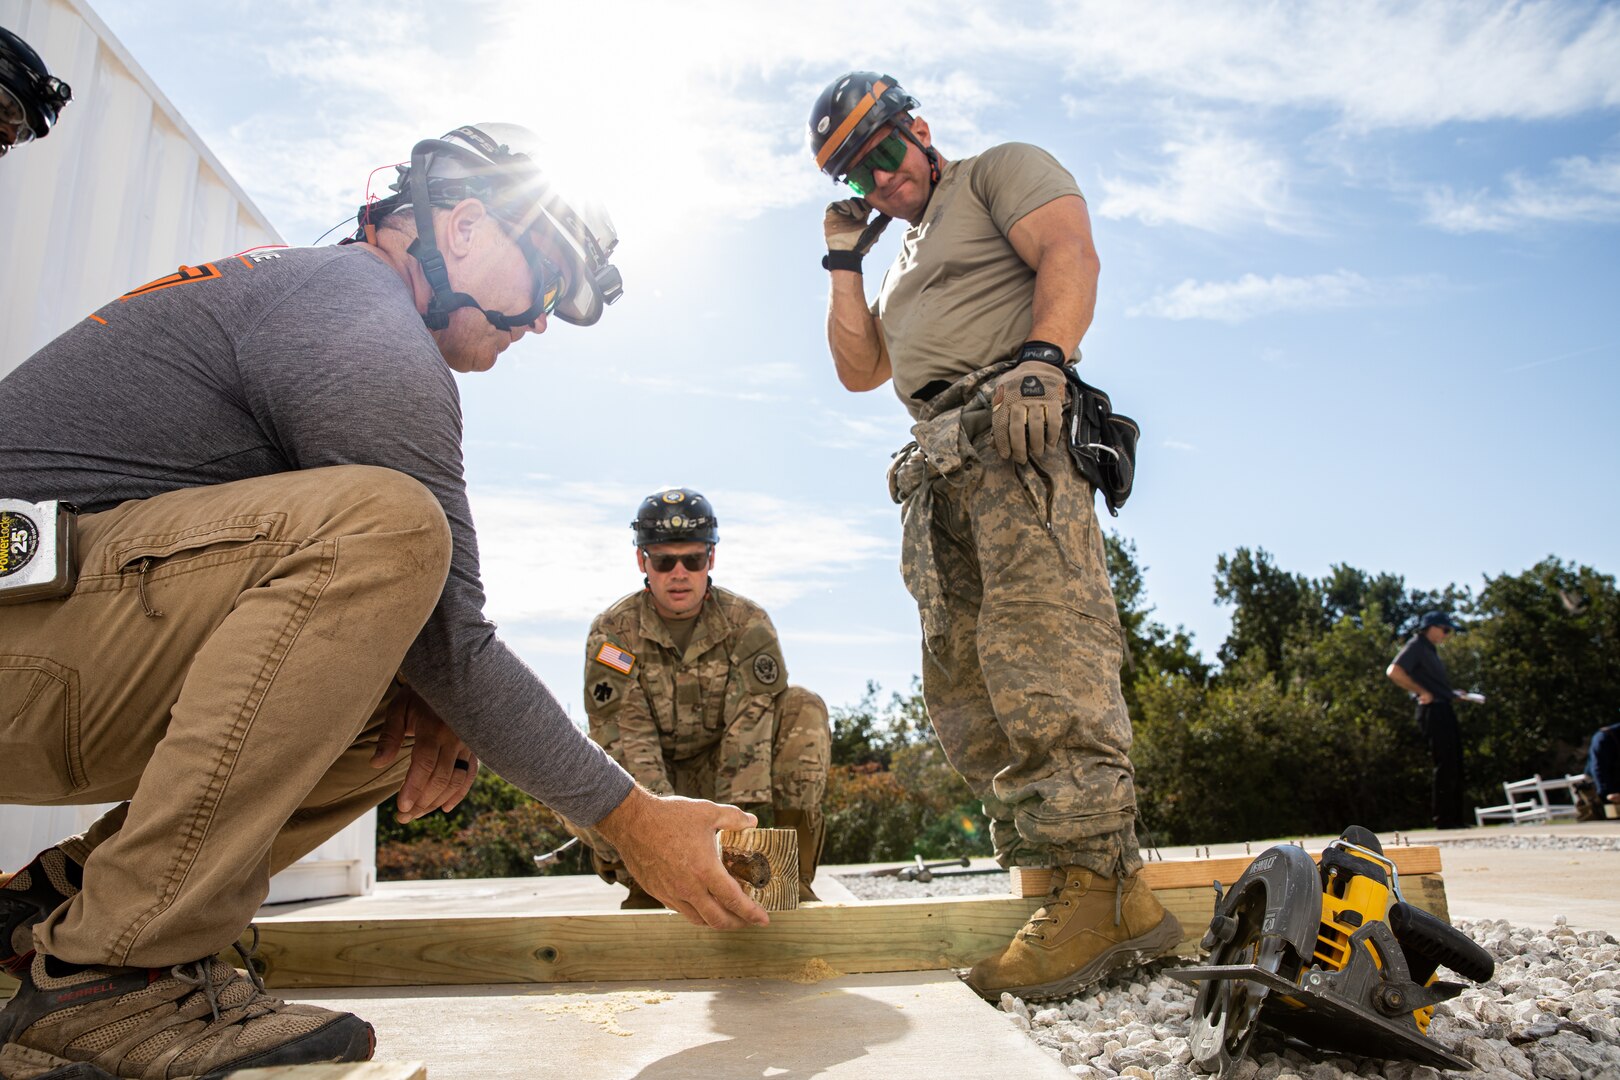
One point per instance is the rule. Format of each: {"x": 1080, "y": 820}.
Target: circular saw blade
{"x": 1226, "y": 1010}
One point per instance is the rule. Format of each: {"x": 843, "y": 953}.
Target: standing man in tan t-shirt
{"x": 975, "y": 322}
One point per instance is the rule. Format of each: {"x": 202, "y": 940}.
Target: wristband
{"x": 1043, "y": 351}
{"x": 842, "y": 260}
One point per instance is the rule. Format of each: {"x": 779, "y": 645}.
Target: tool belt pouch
{"x": 37, "y": 550}
{"x": 1102, "y": 442}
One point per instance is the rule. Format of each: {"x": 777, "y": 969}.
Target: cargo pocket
{"x": 39, "y": 730}
{"x": 143, "y": 558}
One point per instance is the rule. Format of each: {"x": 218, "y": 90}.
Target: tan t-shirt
{"x": 958, "y": 296}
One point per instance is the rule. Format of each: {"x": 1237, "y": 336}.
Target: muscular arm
{"x": 855, "y": 335}
{"x": 1055, "y": 241}
{"x": 1400, "y": 678}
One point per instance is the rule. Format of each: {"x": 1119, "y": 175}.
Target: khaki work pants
{"x": 1022, "y": 679}
{"x": 221, "y": 666}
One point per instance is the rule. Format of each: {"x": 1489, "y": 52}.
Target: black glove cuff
{"x": 1043, "y": 351}
{"x": 842, "y": 260}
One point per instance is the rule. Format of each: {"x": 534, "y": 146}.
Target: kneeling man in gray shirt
{"x": 277, "y": 580}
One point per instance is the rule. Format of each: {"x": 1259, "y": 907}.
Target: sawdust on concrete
{"x": 601, "y": 1010}
{"x": 813, "y": 970}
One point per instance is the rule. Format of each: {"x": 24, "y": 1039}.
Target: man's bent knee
{"x": 391, "y": 504}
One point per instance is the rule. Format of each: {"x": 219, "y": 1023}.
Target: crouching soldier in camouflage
{"x": 975, "y": 324}
{"x": 685, "y": 687}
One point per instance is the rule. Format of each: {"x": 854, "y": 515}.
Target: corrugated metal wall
{"x": 123, "y": 191}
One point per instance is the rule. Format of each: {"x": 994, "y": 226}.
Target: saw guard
{"x": 1293, "y": 895}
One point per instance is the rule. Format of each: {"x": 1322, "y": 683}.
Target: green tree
{"x": 1544, "y": 647}
{"x": 1268, "y": 604}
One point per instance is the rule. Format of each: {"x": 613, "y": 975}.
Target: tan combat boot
{"x": 812, "y": 830}
{"x": 1090, "y": 926}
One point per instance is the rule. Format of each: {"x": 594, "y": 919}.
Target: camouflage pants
{"x": 801, "y": 751}
{"x": 1021, "y": 654}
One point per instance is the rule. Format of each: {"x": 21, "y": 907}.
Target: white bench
{"x": 1531, "y": 800}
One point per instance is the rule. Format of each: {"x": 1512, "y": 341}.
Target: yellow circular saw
{"x": 1327, "y": 953}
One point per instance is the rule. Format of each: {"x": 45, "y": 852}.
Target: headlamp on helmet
{"x": 675, "y": 515}
{"x": 31, "y": 98}
{"x": 496, "y": 164}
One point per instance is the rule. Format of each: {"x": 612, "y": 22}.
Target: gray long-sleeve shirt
{"x": 282, "y": 360}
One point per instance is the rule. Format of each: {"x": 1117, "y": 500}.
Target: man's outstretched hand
{"x": 667, "y": 844}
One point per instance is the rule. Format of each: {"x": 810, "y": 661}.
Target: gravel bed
{"x": 892, "y": 888}
{"x": 1552, "y": 1012}
{"x": 1537, "y": 843}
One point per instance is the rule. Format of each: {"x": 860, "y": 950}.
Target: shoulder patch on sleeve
{"x": 766, "y": 669}
{"x": 620, "y": 660}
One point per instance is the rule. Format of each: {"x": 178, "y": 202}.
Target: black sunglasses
{"x": 693, "y": 561}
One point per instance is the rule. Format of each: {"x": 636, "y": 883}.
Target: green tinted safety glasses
{"x": 886, "y": 155}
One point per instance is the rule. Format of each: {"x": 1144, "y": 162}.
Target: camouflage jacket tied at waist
{"x": 650, "y": 707}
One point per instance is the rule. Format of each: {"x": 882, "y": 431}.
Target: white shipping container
{"x": 122, "y": 191}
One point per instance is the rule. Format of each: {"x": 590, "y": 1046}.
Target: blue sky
{"x": 1359, "y": 275}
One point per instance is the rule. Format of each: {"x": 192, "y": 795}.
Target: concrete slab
{"x": 912, "y": 1024}
{"x": 553, "y": 894}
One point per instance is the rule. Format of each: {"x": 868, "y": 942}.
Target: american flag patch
{"x": 615, "y": 658}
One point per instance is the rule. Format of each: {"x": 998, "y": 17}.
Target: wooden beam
{"x": 780, "y": 848}
{"x": 814, "y": 942}
{"x": 1191, "y": 873}
{"x": 359, "y": 1070}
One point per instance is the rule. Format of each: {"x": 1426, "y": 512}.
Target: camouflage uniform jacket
{"x": 651, "y": 708}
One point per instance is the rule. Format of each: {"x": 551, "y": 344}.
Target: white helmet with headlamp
{"x": 497, "y": 164}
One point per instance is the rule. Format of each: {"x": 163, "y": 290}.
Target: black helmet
{"x": 30, "y": 97}
{"x": 847, "y": 113}
{"x": 498, "y": 164}
{"x": 675, "y": 515}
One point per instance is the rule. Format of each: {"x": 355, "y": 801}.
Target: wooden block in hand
{"x": 781, "y": 849}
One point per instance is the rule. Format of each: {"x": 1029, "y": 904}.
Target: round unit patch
{"x": 19, "y": 540}
{"x": 674, "y": 496}
{"x": 766, "y": 669}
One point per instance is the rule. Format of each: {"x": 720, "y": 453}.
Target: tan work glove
{"x": 1026, "y": 411}
{"x": 849, "y": 235}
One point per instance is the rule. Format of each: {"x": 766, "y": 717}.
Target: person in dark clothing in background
{"x": 1603, "y": 764}
{"x": 1419, "y": 670}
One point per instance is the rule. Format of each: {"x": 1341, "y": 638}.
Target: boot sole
{"x": 355, "y": 1041}
{"x": 1144, "y": 949}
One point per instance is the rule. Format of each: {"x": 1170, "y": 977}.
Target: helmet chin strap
{"x": 425, "y": 250}
{"x": 928, "y": 152}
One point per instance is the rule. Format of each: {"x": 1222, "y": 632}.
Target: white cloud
{"x": 1376, "y": 64}
{"x": 1578, "y": 189}
{"x": 672, "y": 136}
{"x": 1252, "y": 295}
{"x": 1213, "y": 180}
{"x": 1176, "y": 444}
{"x": 565, "y": 553}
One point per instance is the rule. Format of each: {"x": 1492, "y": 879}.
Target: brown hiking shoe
{"x": 1089, "y": 927}
{"x": 31, "y": 894}
{"x": 202, "y": 1019}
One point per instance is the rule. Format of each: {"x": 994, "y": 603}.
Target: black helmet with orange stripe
{"x": 847, "y": 113}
